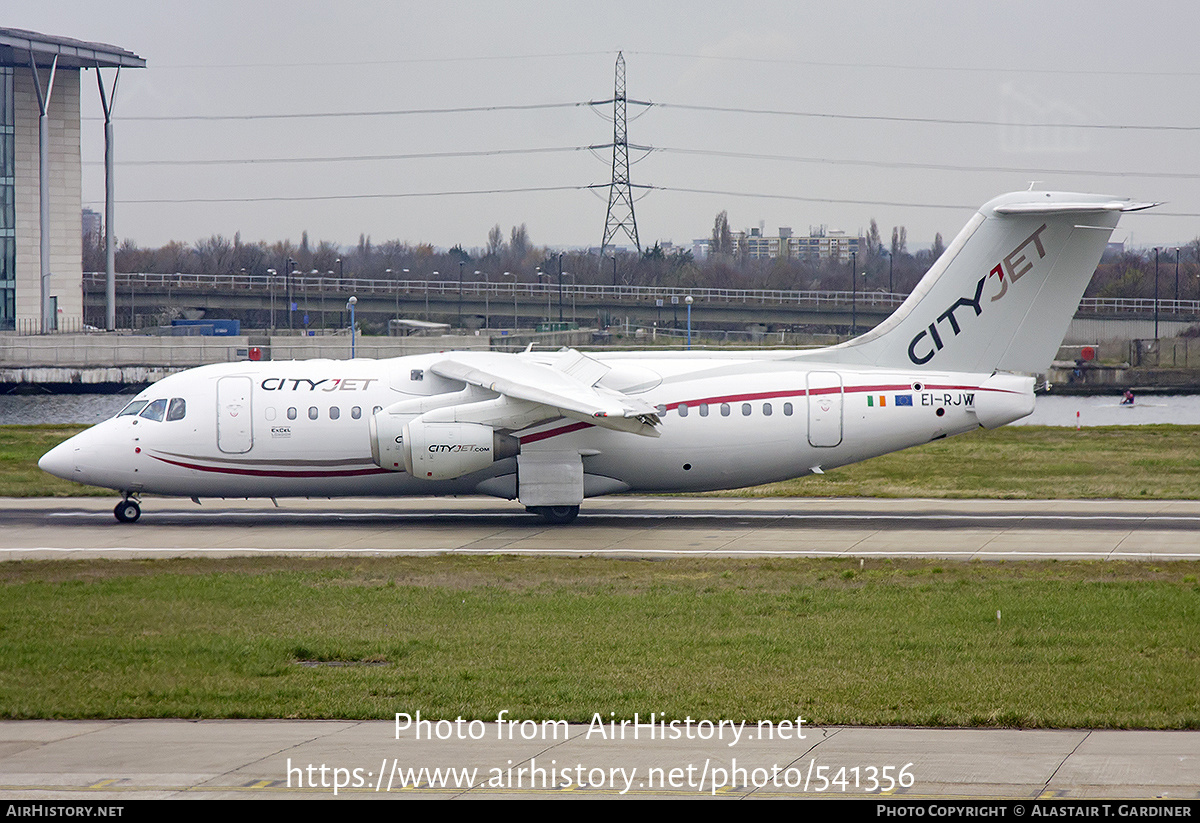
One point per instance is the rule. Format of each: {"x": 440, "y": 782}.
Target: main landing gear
{"x": 555, "y": 515}
{"x": 127, "y": 511}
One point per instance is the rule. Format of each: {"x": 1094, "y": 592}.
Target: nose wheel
{"x": 555, "y": 515}
{"x": 127, "y": 511}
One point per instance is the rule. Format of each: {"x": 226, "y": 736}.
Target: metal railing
{"x": 361, "y": 287}
{"x": 580, "y": 292}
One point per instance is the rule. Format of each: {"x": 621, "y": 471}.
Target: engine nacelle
{"x": 436, "y": 451}
{"x": 1003, "y": 398}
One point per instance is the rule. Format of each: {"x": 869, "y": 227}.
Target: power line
{"x": 897, "y": 164}
{"x": 941, "y": 121}
{"x": 856, "y": 202}
{"x": 319, "y": 197}
{"x": 586, "y": 187}
{"x": 779, "y": 61}
{"x": 737, "y": 155}
{"x": 877, "y": 118}
{"x": 349, "y": 158}
{"x": 167, "y": 118}
{"x": 992, "y": 69}
{"x": 398, "y": 61}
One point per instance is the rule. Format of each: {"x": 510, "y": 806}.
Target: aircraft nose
{"x": 60, "y": 461}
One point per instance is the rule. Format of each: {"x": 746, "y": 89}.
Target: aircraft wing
{"x": 566, "y": 384}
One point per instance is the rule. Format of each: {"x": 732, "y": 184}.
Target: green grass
{"x": 1033, "y": 462}
{"x": 20, "y": 448}
{"x": 1100, "y": 645}
{"x": 1103, "y": 645}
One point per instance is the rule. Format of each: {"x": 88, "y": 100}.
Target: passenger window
{"x": 155, "y": 410}
{"x": 704, "y": 410}
{"x": 356, "y": 412}
{"x": 724, "y": 409}
{"x": 313, "y": 414}
{"x": 787, "y": 409}
{"x": 291, "y": 414}
{"x": 767, "y": 409}
{"x": 133, "y": 408}
{"x": 334, "y": 412}
{"x": 746, "y": 409}
{"x": 683, "y": 410}
{"x": 177, "y": 409}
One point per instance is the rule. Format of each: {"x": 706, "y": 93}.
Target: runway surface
{"x": 148, "y": 759}
{"x": 616, "y": 527}
{"x": 124, "y": 760}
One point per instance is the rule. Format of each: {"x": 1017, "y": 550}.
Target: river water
{"x": 1052, "y": 410}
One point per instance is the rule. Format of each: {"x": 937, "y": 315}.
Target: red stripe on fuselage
{"x": 742, "y": 398}
{"x": 272, "y": 472}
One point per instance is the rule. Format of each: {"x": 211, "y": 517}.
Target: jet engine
{"x": 1003, "y": 398}
{"x": 436, "y": 451}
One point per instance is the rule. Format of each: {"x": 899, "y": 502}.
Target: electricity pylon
{"x": 620, "y": 196}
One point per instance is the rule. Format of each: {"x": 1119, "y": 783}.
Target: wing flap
{"x": 566, "y": 384}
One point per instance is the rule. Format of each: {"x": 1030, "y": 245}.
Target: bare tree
{"x": 518, "y": 242}
{"x": 495, "y": 242}
{"x": 721, "y": 241}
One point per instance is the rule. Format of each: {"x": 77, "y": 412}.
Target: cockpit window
{"x": 177, "y": 409}
{"x": 156, "y": 410}
{"x": 133, "y": 408}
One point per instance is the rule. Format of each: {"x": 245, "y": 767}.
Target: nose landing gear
{"x": 555, "y": 515}
{"x": 127, "y": 511}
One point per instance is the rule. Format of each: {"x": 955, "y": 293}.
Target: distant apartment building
{"x": 821, "y": 243}
{"x": 91, "y": 228}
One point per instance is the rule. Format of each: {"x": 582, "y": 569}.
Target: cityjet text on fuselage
{"x": 324, "y": 384}
{"x": 1015, "y": 264}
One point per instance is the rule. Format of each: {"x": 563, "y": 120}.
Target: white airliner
{"x": 550, "y": 429}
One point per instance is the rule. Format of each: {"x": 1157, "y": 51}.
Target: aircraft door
{"x": 824, "y": 408}
{"x": 234, "y": 433}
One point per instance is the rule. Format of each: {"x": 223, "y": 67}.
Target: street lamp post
{"x": 560, "y": 277}
{"x": 461, "y": 263}
{"x": 288, "y": 286}
{"x": 540, "y": 275}
{"x": 1177, "y": 279}
{"x": 487, "y": 309}
{"x": 350, "y": 304}
{"x": 514, "y": 287}
{"x": 688, "y": 300}
{"x": 853, "y": 293}
{"x": 324, "y": 288}
{"x": 574, "y": 289}
{"x": 1156, "y": 294}
{"x": 271, "y": 288}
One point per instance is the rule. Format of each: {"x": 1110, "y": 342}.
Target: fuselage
{"x": 302, "y": 428}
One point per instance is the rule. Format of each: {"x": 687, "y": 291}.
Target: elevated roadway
{"x": 496, "y": 304}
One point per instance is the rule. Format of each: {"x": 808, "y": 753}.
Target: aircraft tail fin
{"x": 1003, "y": 294}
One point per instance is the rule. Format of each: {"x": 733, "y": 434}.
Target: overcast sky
{"x": 910, "y": 113}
